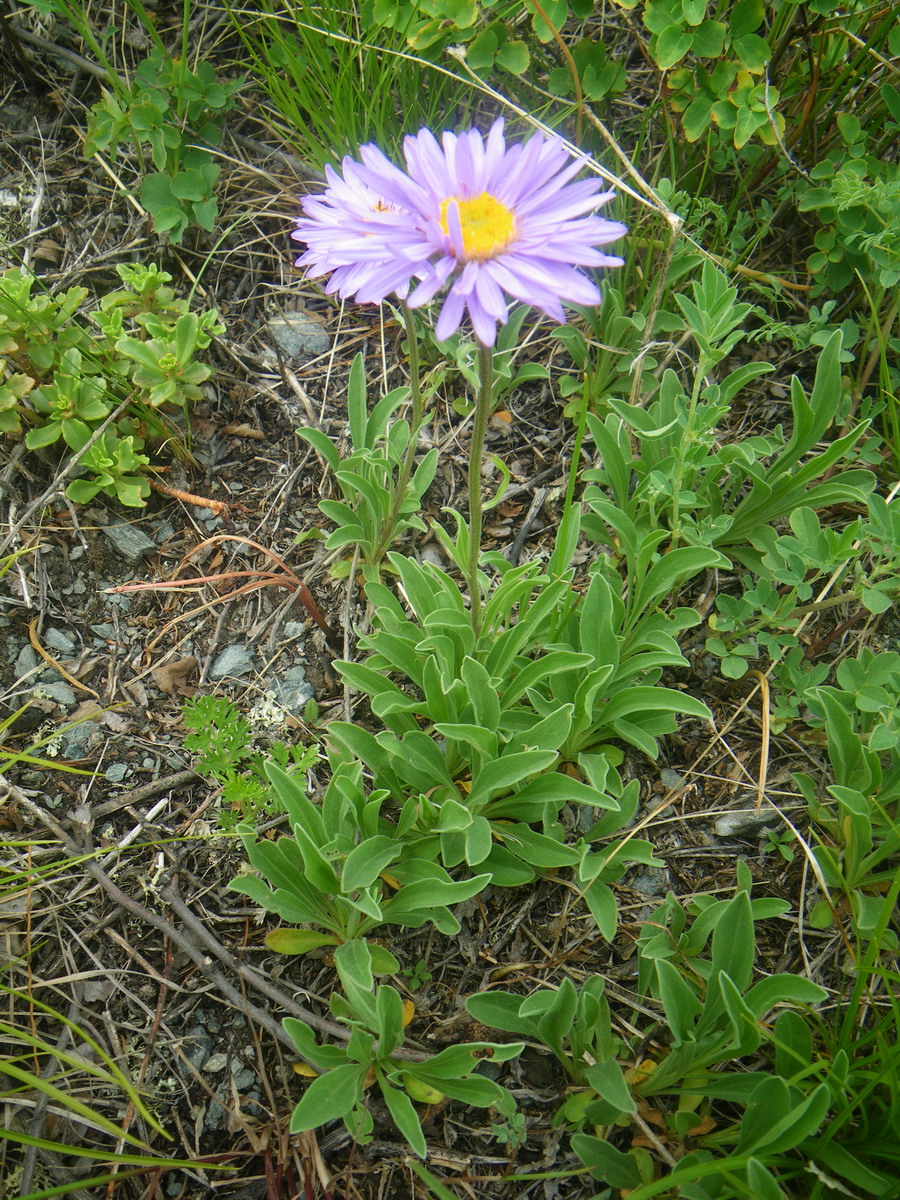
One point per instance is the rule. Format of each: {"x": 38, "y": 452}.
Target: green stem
{"x": 415, "y": 424}
{"x": 683, "y": 445}
{"x": 483, "y": 406}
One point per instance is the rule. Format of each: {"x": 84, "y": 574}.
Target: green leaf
{"x": 513, "y": 56}
{"x": 693, "y": 11}
{"x": 366, "y": 861}
{"x": 841, "y": 1161}
{"x": 777, "y": 1120}
{"x": 752, "y": 50}
{"x": 745, "y": 17}
{"x": 734, "y": 942}
{"x": 323, "y": 1058}
{"x": 608, "y": 1081}
{"x": 500, "y": 1010}
{"x": 503, "y": 773}
{"x": 389, "y": 1008}
{"x": 671, "y": 47}
{"x": 404, "y": 1115}
{"x": 601, "y": 900}
{"x": 356, "y": 403}
{"x": 709, "y": 39}
{"x": 462, "y": 1059}
{"x": 607, "y": 1164}
{"x": 697, "y": 118}
{"x": 680, "y": 1002}
{"x": 383, "y": 962}
{"x": 762, "y": 1183}
{"x": 556, "y": 12}
{"x": 298, "y": 941}
{"x": 329, "y": 1096}
{"x": 43, "y": 435}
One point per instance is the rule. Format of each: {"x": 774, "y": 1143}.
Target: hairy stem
{"x": 415, "y": 424}
{"x": 483, "y": 405}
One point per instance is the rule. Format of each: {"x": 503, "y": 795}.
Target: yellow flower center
{"x": 487, "y": 225}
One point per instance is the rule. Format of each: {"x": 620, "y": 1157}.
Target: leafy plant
{"x": 226, "y": 747}
{"x": 724, "y": 497}
{"x": 857, "y": 830}
{"x": 535, "y": 689}
{"x": 375, "y": 1018}
{"x": 856, "y": 195}
{"x": 357, "y": 55}
{"x": 343, "y": 868}
{"x": 168, "y": 108}
{"x": 715, "y": 1015}
{"x": 382, "y": 495}
{"x": 126, "y": 364}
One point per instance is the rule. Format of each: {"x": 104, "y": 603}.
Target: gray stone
{"x": 741, "y": 822}
{"x": 163, "y": 532}
{"x": 215, "y": 1117}
{"x": 105, "y": 631}
{"x": 116, "y": 772}
{"x": 671, "y": 779}
{"x": 294, "y": 629}
{"x": 26, "y": 661}
{"x": 299, "y": 335}
{"x": 216, "y": 1063}
{"x": 292, "y": 691}
{"x": 74, "y": 742}
{"x": 654, "y": 881}
{"x": 129, "y": 541}
{"x": 244, "y": 1079}
{"x": 59, "y": 693}
{"x": 234, "y": 662}
{"x": 55, "y": 639}
{"x": 198, "y": 1047}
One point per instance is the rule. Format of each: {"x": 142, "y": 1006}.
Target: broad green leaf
{"x": 404, "y": 1115}
{"x": 614, "y": 1167}
{"x": 499, "y": 1010}
{"x": 329, "y": 1096}
{"x": 608, "y": 1081}
{"x": 504, "y": 773}
{"x": 389, "y": 1007}
{"x": 462, "y": 1059}
{"x": 601, "y": 900}
{"x": 681, "y": 1004}
{"x": 671, "y": 47}
{"x": 298, "y": 941}
{"x": 364, "y": 864}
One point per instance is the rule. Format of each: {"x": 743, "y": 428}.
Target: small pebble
{"x": 234, "y": 662}
{"x": 292, "y": 691}
{"x": 129, "y": 541}
{"x": 55, "y": 639}
{"x": 26, "y": 661}
{"x": 740, "y": 822}
{"x": 59, "y": 693}
{"x": 298, "y": 335}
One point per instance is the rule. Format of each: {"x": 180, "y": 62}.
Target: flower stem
{"x": 483, "y": 406}
{"x": 684, "y": 445}
{"x": 415, "y": 423}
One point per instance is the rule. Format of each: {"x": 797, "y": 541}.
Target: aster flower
{"x": 356, "y": 235}
{"x": 490, "y": 222}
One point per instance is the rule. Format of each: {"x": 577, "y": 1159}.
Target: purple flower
{"x": 352, "y": 233}
{"x": 486, "y": 220}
